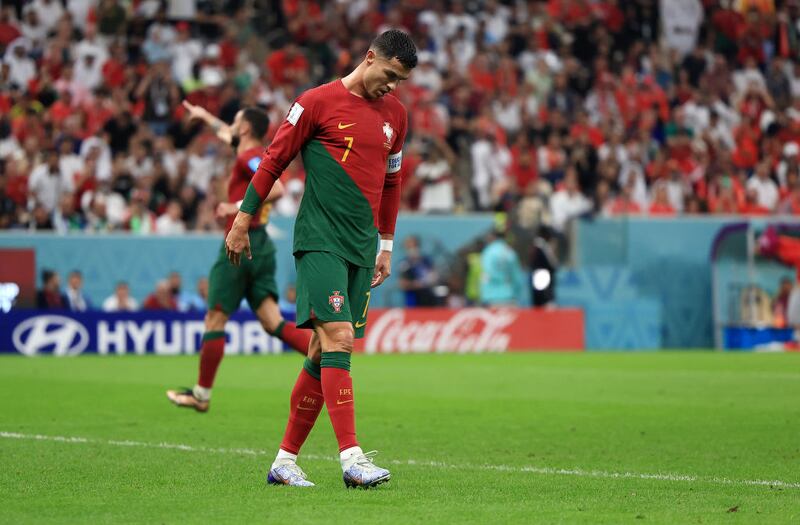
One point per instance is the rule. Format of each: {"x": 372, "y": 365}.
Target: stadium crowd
{"x": 547, "y": 109}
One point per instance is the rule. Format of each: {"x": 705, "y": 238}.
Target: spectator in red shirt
{"x": 114, "y": 70}
{"x": 9, "y": 31}
{"x": 429, "y": 117}
{"x": 582, "y": 126}
{"x": 288, "y": 66}
{"x": 62, "y": 108}
{"x": 523, "y": 162}
{"x": 624, "y": 204}
{"x": 751, "y": 205}
{"x": 50, "y": 297}
{"x": 161, "y": 298}
{"x": 660, "y": 205}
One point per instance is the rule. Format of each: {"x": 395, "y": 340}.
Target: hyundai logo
{"x": 56, "y": 333}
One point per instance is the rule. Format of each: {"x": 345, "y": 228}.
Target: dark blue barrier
{"x": 62, "y": 333}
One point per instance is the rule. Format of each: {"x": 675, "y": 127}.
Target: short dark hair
{"x": 258, "y": 120}
{"x": 396, "y": 44}
{"x": 47, "y": 274}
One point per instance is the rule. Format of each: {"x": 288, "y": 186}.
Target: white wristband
{"x": 386, "y": 245}
{"x": 239, "y": 203}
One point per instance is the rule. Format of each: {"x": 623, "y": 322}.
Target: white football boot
{"x": 288, "y": 473}
{"x": 360, "y": 471}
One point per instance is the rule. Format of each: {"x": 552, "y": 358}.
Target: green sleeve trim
{"x": 335, "y": 360}
{"x": 252, "y": 200}
{"x": 312, "y": 368}
{"x": 279, "y": 330}
{"x": 210, "y": 336}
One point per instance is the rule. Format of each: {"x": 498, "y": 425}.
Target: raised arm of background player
{"x": 225, "y": 133}
{"x": 294, "y": 132}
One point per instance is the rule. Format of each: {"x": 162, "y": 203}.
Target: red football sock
{"x": 306, "y": 404}
{"x": 210, "y": 356}
{"x": 337, "y": 386}
{"x": 297, "y": 338}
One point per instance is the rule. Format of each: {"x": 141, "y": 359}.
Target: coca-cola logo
{"x": 468, "y": 330}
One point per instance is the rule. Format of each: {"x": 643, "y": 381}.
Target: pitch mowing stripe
{"x": 547, "y": 471}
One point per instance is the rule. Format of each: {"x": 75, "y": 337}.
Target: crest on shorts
{"x": 337, "y": 301}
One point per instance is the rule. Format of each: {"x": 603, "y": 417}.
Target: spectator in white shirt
{"x": 140, "y": 162}
{"x": 425, "y": 74}
{"x": 76, "y": 300}
{"x": 766, "y": 188}
{"x": 789, "y": 162}
{"x": 181, "y": 9}
{"x": 89, "y": 72}
{"x": 568, "y": 202}
{"x": 121, "y": 300}
{"x": 490, "y": 162}
{"x": 49, "y": 12}
{"x": 508, "y": 112}
{"x": 91, "y": 45}
{"x": 170, "y": 222}
{"x": 70, "y": 163}
{"x": 79, "y": 10}
{"x": 21, "y": 67}
{"x": 47, "y": 183}
{"x": 186, "y": 52}
{"x": 436, "y": 176}
{"x": 721, "y": 132}
{"x": 496, "y": 18}
{"x": 457, "y": 19}
{"x": 33, "y": 29}
{"x": 433, "y": 19}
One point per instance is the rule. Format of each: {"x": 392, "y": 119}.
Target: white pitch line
{"x": 547, "y": 471}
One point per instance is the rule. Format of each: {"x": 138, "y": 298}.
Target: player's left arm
{"x": 390, "y": 204}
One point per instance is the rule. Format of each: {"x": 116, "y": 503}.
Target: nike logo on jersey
{"x": 345, "y": 126}
{"x": 359, "y": 324}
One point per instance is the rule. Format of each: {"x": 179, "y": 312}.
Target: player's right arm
{"x": 222, "y": 130}
{"x": 224, "y": 209}
{"x": 296, "y": 130}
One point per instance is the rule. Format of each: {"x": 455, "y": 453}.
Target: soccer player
{"x": 350, "y": 135}
{"x": 255, "y": 279}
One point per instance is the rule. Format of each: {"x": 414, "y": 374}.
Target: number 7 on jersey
{"x": 349, "y": 141}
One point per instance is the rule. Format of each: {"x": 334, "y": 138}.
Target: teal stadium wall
{"x": 643, "y": 283}
{"x": 142, "y": 261}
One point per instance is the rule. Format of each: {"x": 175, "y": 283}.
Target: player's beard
{"x": 235, "y": 140}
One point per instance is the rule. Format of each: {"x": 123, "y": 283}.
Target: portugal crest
{"x": 336, "y": 301}
{"x": 389, "y": 132}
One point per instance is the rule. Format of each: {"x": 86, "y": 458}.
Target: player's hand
{"x": 196, "y": 112}
{"x": 224, "y": 209}
{"x": 236, "y": 243}
{"x": 383, "y": 268}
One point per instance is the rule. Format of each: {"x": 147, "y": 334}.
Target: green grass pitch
{"x": 495, "y": 438}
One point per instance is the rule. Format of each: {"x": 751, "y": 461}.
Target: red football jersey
{"x": 352, "y": 153}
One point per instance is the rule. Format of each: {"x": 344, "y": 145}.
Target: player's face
{"x": 383, "y": 76}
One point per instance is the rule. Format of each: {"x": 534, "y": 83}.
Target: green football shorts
{"x": 330, "y": 288}
{"x": 253, "y": 279}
